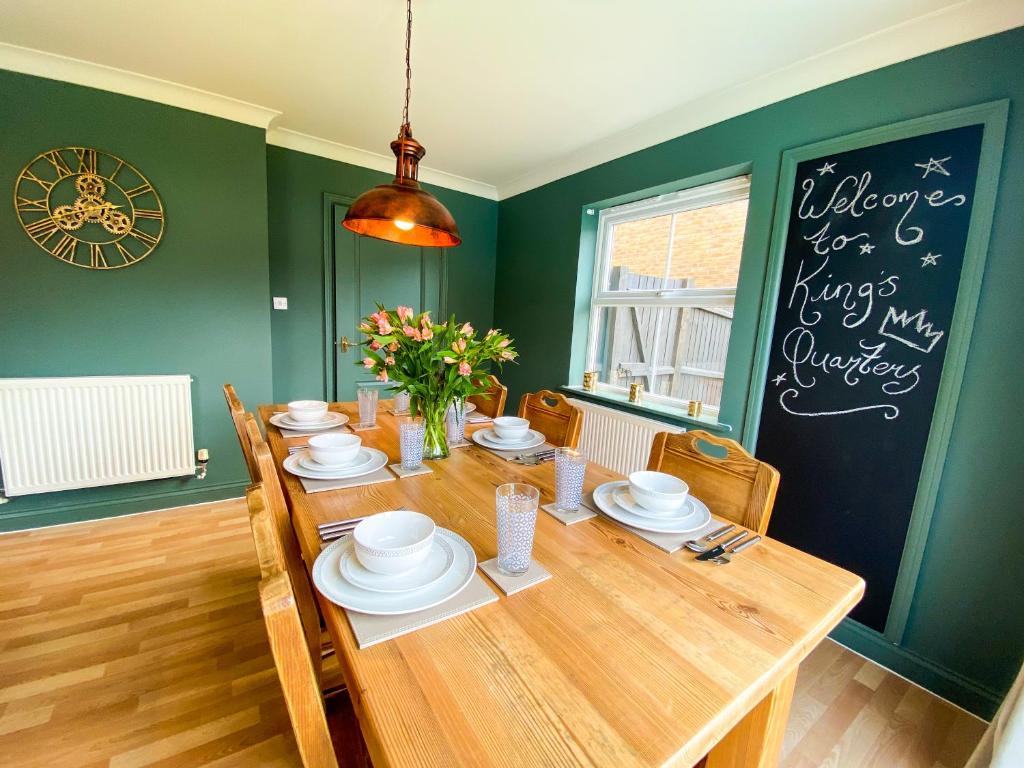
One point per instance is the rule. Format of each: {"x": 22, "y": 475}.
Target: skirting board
{"x": 99, "y": 509}
{"x": 962, "y": 691}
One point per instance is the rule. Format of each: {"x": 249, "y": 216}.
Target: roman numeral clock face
{"x": 89, "y": 208}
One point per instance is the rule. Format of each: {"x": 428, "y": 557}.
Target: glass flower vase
{"x": 435, "y": 440}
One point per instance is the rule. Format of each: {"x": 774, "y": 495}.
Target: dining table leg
{"x": 756, "y": 740}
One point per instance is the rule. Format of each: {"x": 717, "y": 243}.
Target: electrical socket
{"x": 280, "y": 302}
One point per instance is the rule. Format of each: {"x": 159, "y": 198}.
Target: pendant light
{"x": 401, "y": 211}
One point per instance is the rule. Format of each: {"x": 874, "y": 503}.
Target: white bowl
{"x": 307, "y": 410}
{"x": 658, "y": 491}
{"x": 334, "y": 450}
{"x": 511, "y": 428}
{"x": 393, "y": 542}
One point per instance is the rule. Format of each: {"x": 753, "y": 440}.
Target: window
{"x": 664, "y": 290}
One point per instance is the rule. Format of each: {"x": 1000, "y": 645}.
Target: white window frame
{"x": 716, "y": 193}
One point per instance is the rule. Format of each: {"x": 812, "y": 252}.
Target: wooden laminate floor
{"x": 138, "y": 641}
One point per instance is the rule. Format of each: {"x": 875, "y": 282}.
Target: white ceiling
{"x": 506, "y": 95}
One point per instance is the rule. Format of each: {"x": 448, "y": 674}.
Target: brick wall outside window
{"x": 707, "y": 245}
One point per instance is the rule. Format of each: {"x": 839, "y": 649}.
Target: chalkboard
{"x": 873, "y": 255}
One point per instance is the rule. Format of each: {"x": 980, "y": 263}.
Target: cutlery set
{"x": 531, "y": 459}
{"x": 721, "y": 553}
{"x": 725, "y": 558}
{"x": 331, "y": 531}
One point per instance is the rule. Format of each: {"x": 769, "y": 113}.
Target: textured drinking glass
{"x": 455, "y": 422}
{"x": 401, "y": 404}
{"x": 517, "y": 517}
{"x": 410, "y": 441}
{"x": 367, "y": 406}
{"x": 570, "y": 467}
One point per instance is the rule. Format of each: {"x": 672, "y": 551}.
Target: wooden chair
{"x": 492, "y": 403}
{"x": 735, "y": 486}
{"x": 322, "y": 731}
{"x": 238, "y": 414}
{"x": 553, "y": 416}
{"x": 285, "y": 553}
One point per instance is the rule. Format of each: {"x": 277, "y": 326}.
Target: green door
{"x": 368, "y": 271}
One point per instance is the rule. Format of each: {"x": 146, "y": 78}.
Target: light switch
{"x": 280, "y": 302}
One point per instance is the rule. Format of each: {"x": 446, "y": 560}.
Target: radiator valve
{"x": 203, "y": 457}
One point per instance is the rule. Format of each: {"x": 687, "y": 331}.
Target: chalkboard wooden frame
{"x": 993, "y": 116}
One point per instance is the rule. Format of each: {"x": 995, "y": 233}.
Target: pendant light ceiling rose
{"x": 402, "y": 211}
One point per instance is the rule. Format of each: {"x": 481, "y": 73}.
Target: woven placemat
{"x": 318, "y": 486}
{"x": 370, "y": 630}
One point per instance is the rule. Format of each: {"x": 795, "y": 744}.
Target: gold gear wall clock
{"x": 89, "y": 208}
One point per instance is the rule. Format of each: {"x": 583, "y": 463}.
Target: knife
{"x": 720, "y": 549}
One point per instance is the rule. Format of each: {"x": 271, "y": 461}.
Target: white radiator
{"x": 58, "y": 434}
{"x": 618, "y": 440}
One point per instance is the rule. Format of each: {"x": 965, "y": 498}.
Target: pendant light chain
{"x": 408, "y": 67}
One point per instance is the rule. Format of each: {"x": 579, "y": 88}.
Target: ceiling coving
{"x": 510, "y": 95}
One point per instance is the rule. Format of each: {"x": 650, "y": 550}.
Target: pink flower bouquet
{"x": 436, "y": 363}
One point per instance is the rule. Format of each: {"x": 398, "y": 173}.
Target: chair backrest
{"x": 237, "y": 412}
{"x": 553, "y": 416}
{"x": 286, "y": 544}
{"x": 734, "y": 484}
{"x": 299, "y": 681}
{"x": 493, "y": 403}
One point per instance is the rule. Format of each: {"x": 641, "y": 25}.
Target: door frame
{"x": 332, "y": 200}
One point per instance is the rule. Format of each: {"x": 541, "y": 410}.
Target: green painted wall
{"x": 966, "y": 632}
{"x": 199, "y": 304}
{"x": 296, "y": 183}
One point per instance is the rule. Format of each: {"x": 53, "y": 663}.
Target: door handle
{"x": 344, "y": 344}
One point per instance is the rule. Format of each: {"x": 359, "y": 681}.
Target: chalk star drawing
{"x": 826, "y": 168}
{"x": 931, "y": 260}
{"x": 934, "y": 165}
{"x": 779, "y": 379}
{"x": 865, "y": 248}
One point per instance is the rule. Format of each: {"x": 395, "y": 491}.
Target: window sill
{"x": 657, "y": 411}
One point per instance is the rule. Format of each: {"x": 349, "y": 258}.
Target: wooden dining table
{"x": 627, "y": 656}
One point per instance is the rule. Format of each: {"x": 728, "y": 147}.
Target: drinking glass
{"x": 410, "y": 440}
{"x": 516, "y": 504}
{"x": 367, "y": 397}
{"x": 401, "y": 403}
{"x": 570, "y": 467}
{"x": 455, "y": 422}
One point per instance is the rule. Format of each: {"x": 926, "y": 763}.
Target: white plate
{"x": 330, "y": 583}
{"x": 470, "y": 407}
{"x": 306, "y": 461}
{"x": 333, "y": 420}
{"x": 606, "y": 503}
{"x": 439, "y": 561}
{"x": 292, "y": 464}
{"x": 287, "y": 422}
{"x": 485, "y": 437}
{"x": 622, "y": 496}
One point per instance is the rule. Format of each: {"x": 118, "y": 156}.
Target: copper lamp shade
{"x": 402, "y": 211}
